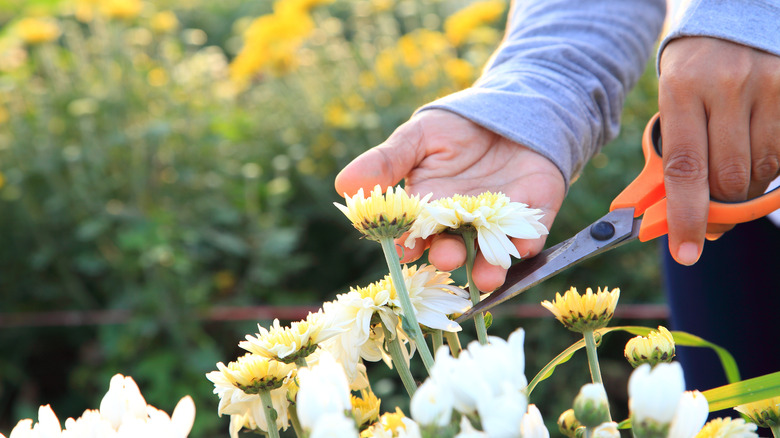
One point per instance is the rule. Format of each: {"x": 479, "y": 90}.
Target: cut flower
{"x": 380, "y": 215}
{"x": 494, "y": 217}
{"x": 581, "y": 313}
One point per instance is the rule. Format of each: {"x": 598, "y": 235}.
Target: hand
{"x": 720, "y": 123}
{"x": 442, "y": 153}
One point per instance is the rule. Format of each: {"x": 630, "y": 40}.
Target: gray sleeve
{"x": 558, "y": 80}
{"x": 754, "y": 23}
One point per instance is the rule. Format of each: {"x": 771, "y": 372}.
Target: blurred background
{"x": 166, "y": 183}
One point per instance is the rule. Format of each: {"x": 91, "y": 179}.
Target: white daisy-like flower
{"x": 533, "y": 424}
{"x": 238, "y": 385}
{"x": 433, "y": 296}
{"x": 728, "y": 428}
{"x": 123, "y": 401}
{"x": 494, "y": 217}
{"x": 322, "y": 389}
{"x": 432, "y": 405}
{"x": 298, "y": 340}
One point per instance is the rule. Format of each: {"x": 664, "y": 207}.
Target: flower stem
{"x": 296, "y": 424}
{"x": 437, "y": 340}
{"x": 394, "y": 264}
{"x": 471, "y": 254}
{"x": 593, "y": 360}
{"x": 454, "y": 343}
{"x": 301, "y": 362}
{"x": 775, "y": 430}
{"x": 395, "y": 348}
{"x": 270, "y": 414}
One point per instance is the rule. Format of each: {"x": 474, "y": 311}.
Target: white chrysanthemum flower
{"x": 122, "y": 402}
{"x": 533, "y": 424}
{"x": 431, "y": 405}
{"x": 502, "y": 413}
{"x": 48, "y": 425}
{"x": 659, "y": 404}
{"x": 322, "y": 389}
{"x": 394, "y": 425}
{"x": 379, "y": 216}
{"x": 607, "y": 430}
{"x": 728, "y": 428}
{"x": 433, "y": 296}
{"x": 334, "y": 425}
{"x": 90, "y": 424}
{"x": 494, "y": 217}
{"x": 691, "y": 414}
{"x": 238, "y": 385}
{"x": 288, "y": 344}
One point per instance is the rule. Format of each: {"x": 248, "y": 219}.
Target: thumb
{"x": 385, "y": 164}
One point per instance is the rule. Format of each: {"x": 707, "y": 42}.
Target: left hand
{"x": 720, "y": 122}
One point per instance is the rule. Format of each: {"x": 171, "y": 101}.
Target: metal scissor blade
{"x": 591, "y": 241}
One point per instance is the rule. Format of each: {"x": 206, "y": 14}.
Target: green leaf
{"x": 746, "y": 391}
{"x": 680, "y": 338}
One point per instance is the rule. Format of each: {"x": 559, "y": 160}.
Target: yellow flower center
{"x": 252, "y": 373}
{"x": 365, "y": 408}
{"x": 383, "y": 215}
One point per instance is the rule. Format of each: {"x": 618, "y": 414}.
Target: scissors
{"x": 644, "y": 197}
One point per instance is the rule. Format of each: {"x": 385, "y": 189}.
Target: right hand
{"x": 440, "y": 152}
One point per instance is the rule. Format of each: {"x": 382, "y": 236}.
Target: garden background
{"x": 166, "y": 175}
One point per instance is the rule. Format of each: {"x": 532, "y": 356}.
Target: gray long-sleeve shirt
{"x": 558, "y": 80}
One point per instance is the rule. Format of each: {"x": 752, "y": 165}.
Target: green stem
{"x": 775, "y": 430}
{"x": 394, "y": 264}
{"x": 593, "y": 360}
{"x": 437, "y": 340}
{"x": 471, "y": 254}
{"x": 454, "y": 343}
{"x": 301, "y": 362}
{"x": 270, "y": 414}
{"x": 394, "y": 347}
{"x": 296, "y": 424}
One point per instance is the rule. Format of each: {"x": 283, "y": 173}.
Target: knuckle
{"x": 684, "y": 166}
{"x": 730, "y": 181}
{"x": 766, "y": 168}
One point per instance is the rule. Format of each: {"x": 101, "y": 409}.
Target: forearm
{"x": 557, "y": 82}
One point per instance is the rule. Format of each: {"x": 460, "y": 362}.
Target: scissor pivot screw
{"x": 602, "y": 230}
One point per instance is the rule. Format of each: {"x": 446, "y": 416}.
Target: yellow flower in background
{"x": 656, "y": 347}
{"x": 494, "y": 217}
{"x": 123, "y": 9}
{"x": 289, "y": 344}
{"x": 460, "y": 71}
{"x": 164, "y": 22}
{"x": 459, "y": 25}
{"x": 587, "y": 312}
{"x": 252, "y": 373}
{"x": 37, "y": 30}
{"x": 765, "y": 413}
{"x": 728, "y": 428}
{"x": 365, "y": 409}
{"x": 382, "y": 215}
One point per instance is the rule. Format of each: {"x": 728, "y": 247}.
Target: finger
{"x": 407, "y": 254}
{"x": 385, "y": 164}
{"x": 729, "y": 152}
{"x": 684, "y": 133}
{"x": 487, "y": 277}
{"x": 765, "y": 146}
{"x": 447, "y": 252}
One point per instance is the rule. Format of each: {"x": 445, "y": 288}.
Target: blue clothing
{"x": 558, "y": 81}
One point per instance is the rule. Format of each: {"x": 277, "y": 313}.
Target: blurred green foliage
{"x": 140, "y": 172}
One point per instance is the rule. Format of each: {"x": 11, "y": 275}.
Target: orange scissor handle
{"x": 646, "y": 194}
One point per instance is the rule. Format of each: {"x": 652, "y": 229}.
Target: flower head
{"x": 568, "y": 424}
{"x": 380, "y": 215}
{"x": 433, "y": 296}
{"x": 587, "y": 312}
{"x": 365, "y": 409}
{"x": 728, "y": 428}
{"x": 765, "y": 413}
{"x": 657, "y": 346}
{"x": 323, "y": 389}
{"x": 37, "y": 30}
{"x": 494, "y": 217}
{"x": 252, "y": 373}
{"x": 591, "y": 407}
{"x": 288, "y": 344}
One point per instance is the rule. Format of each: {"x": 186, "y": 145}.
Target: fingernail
{"x": 687, "y": 253}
